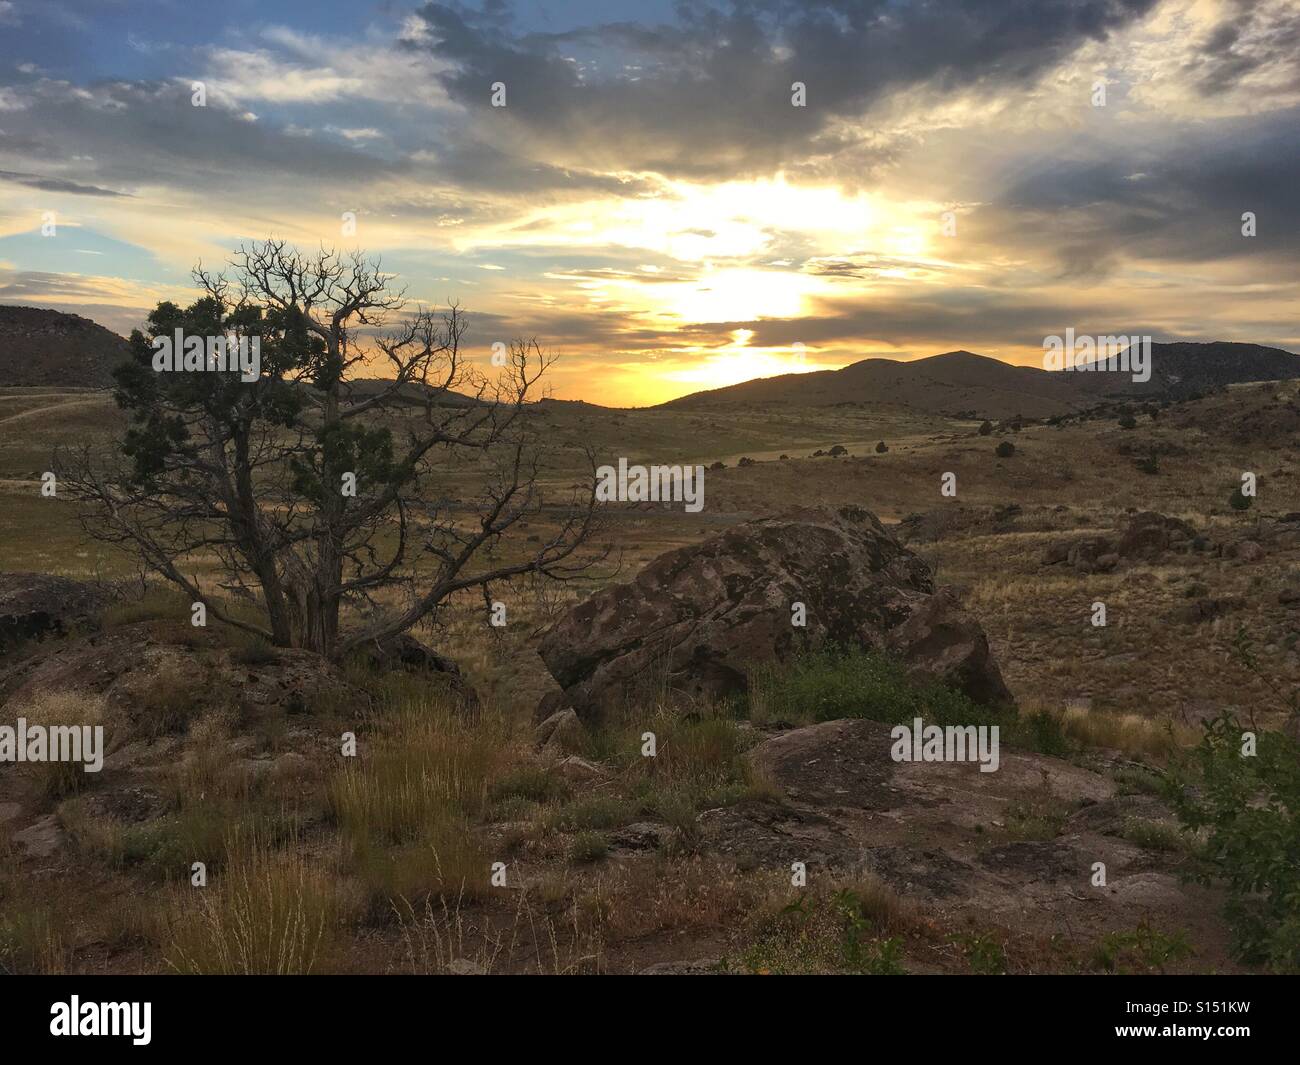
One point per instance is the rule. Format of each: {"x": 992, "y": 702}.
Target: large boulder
{"x": 1146, "y": 537}
{"x": 36, "y": 605}
{"x": 695, "y": 619}
{"x": 1149, "y": 535}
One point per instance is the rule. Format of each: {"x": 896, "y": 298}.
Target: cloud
{"x": 1257, "y": 43}
{"x": 1195, "y": 186}
{"x": 138, "y": 134}
{"x": 47, "y": 184}
{"x": 712, "y": 95}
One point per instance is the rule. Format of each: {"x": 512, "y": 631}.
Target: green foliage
{"x": 1248, "y": 807}
{"x": 161, "y": 405}
{"x": 986, "y": 427}
{"x": 1239, "y": 501}
{"x": 830, "y": 684}
{"x": 588, "y": 847}
{"x": 1143, "y": 950}
{"x": 837, "y": 933}
{"x": 1042, "y": 731}
{"x": 1005, "y": 449}
{"x": 984, "y": 953}
{"x": 367, "y": 452}
{"x": 1127, "y": 421}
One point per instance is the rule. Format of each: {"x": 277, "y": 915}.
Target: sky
{"x": 676, "y": 196}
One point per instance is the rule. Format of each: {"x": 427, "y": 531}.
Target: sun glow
{"x": 730, "y": 365}
{"x": 735, "y": 295}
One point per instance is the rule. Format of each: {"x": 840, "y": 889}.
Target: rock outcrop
{"x": 1018, "y": 843}
{"x": 36, "y": 605}
{"x": 1145, "y": 538}
{"x": 697, "y": 618}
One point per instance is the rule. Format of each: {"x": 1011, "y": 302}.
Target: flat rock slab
{"x": 937, "y": 831}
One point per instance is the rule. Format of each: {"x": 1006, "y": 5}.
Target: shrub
{"x": 588, "y": 847}
{"x": 254, "y": 651}
{"x": 1005, "y": 449}
{"x": 166, "y": 704}
{"x": 840, "y": 932}
{"x": 1249, "y": 809}
{"x": 984, "y": 953}
{"x": 1149, "y": 465}
{"x": 1127, "y": 421}
{"x": 593, "y": 812}
{"x": 1145, "y": 949}
{"x": 986, "y": 427}
{"x": 1238, "y": 500}
{"x": 881, "y": 448}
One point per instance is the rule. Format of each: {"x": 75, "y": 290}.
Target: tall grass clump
{"x": 269, "y": 913}
{"x": 406, "y": 804}
{"x": 66, "y": 709}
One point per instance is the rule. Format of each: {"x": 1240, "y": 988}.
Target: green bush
{"x": 1149, "y": 465}
{"x": 1239, "y": 501}
{"x": 830, "y": 684}
{"x": 1248, "y": 806}
{"x": 1005, "y": 449}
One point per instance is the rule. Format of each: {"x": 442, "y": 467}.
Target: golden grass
{"x": 406, "y": 804}
{"x": 1131, "y": 733}
{"x": 270, "y": 912}
{"x": 63, "y": 707}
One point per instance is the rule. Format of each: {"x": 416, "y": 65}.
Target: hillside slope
{"x": 49, "y": 348}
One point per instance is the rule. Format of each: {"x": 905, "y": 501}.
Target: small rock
{"x": 579, "y": 771}
{"x": 562, "y": 731}
{"x": 1249, "y": 551}
{"x": 42, "y": 838}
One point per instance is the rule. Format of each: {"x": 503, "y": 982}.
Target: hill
{"x": 1182, "y": 370}
{"x": 43, "y": 348}
{"x": 958, "y": 381}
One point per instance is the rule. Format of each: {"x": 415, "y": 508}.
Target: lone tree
{"x": 312, "y": 485}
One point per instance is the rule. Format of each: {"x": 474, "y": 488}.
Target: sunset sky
{"x": 649, "y": 204}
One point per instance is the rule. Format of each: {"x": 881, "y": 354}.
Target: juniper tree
{"x": 257, "y": 474}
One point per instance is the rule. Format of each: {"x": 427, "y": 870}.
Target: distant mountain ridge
{"x": 963, "y": 381}
{"x": 42, "y": 347}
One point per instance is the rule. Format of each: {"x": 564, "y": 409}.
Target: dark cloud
{"x": 1180, "y": 200}
{"x": 148, "y": 133}
{"x": 711, "y": 94}
{"x": 35, "y": 181}
{"x": 1253, "y": 37}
